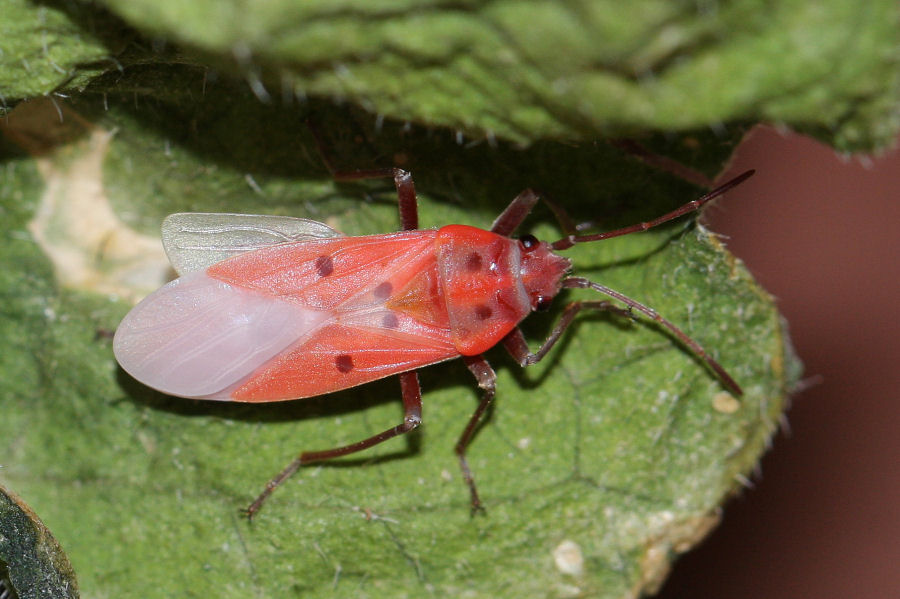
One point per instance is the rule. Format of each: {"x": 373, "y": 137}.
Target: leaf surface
{"x": 519, "y": 70}
{"x": 618, "y": 448}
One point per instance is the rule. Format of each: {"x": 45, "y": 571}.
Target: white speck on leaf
{"x": 569, "y": 559}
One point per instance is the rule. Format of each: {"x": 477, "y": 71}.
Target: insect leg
{"x": 580, "y": 283}
{"x": 515, "y": 343}
{"x": 412, "y": 417}
{"x": 510, "y": 219}
{"x": 663, "y": 163}
{"x": 487, "y": 380}
{"x": 521, "y": 206}
{"x": 406, "y": 191}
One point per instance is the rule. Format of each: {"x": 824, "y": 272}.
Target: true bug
{"x": 275, "y": 308}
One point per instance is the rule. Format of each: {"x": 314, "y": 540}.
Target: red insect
{"x": 275, "y": 308}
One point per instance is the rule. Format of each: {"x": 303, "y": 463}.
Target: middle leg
{"x": 406, "y": 191}
{"x": 487, "y": 381}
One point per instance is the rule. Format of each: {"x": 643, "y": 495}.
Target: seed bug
{"x": 273, "y": 308}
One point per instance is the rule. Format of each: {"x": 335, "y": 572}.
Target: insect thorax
{"x": 480, "y": 275}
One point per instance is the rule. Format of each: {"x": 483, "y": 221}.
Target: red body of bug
{"x": 271, "y": 309}
{"x": 395, "y": 302}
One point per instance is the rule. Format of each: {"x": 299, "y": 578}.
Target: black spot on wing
{"x": 324, "y": 266}
{"x": 343, "y": 363}
{"x": 390, "y": 321}
{"x": 383, "y": 291}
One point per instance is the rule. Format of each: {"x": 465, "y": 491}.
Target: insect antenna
{"x": 582, "y": 283}
{"x": 570, "y": 240}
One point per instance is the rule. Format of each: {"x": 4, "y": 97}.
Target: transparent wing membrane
{"x": 196, "y": 240}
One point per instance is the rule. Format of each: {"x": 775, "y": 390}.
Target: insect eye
{"x": 529, "y": 242}
{"x": 543, "y": 304}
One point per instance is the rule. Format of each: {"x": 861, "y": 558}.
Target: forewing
{"x": 339, "y": 356}
{"x": 196, "y": 240}
{"x": 290, "y": 320}
{"x": 363, "y": 284}
{"x": 342, "y": 274}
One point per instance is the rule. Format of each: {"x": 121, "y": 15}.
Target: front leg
{"x": 515, "y": 343}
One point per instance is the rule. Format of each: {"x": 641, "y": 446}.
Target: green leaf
{"x": 519, "y": 70}
{"x": 32, "y": 564}
{"x": 45, "y": 46}
{"x": 597, "y": 466}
